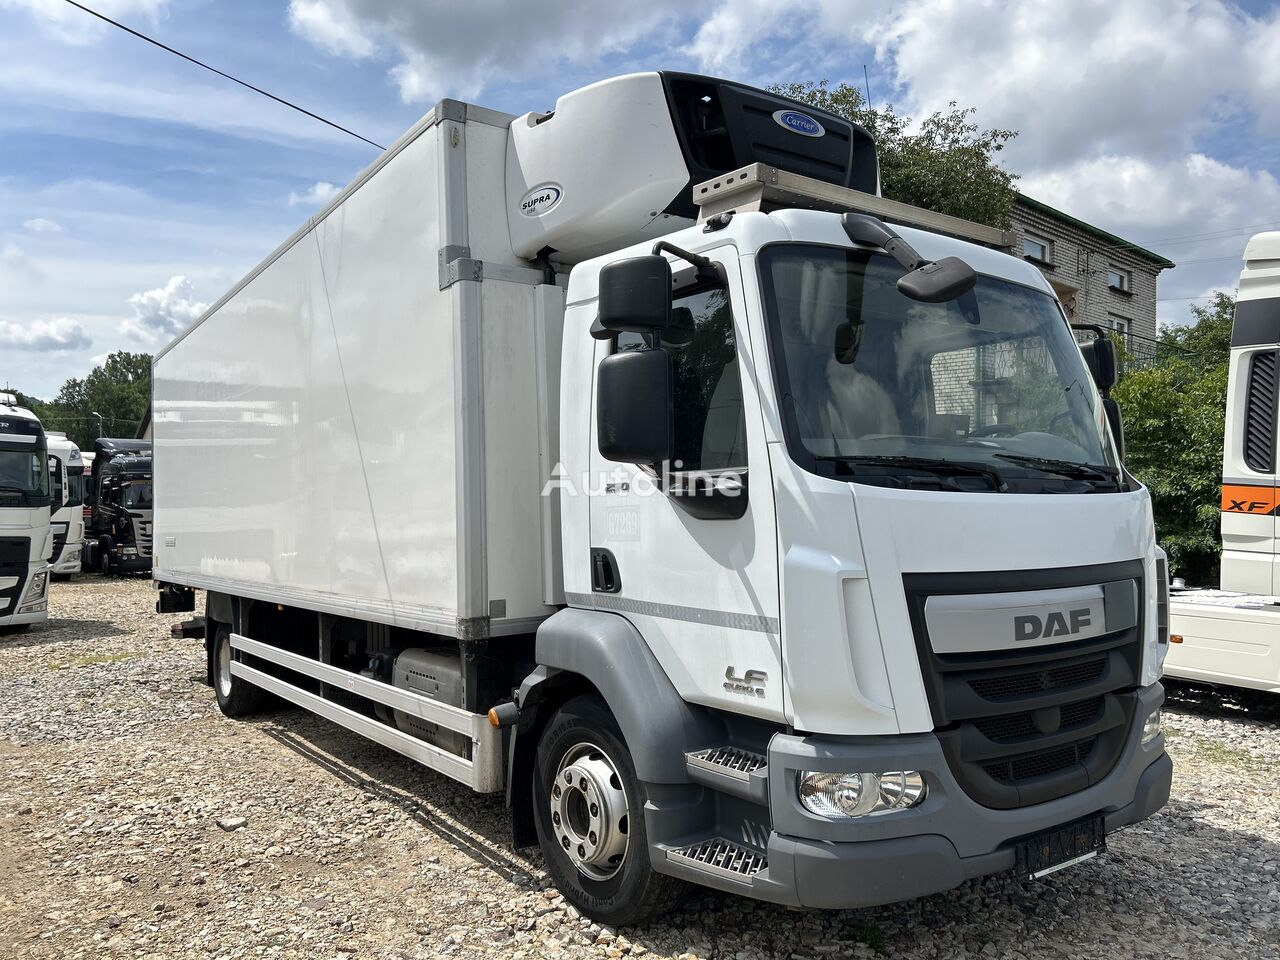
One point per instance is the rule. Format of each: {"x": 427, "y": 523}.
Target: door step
{"x": 722, "y": 858}
{"x": 728, "y": 761}
{"x": 731, "y": 770}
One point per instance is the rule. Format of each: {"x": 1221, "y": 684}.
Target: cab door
{"x": 699, "y": 579}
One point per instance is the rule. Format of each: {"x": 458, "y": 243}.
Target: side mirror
{"x": 635, "y": 297}
{"x": 1100, "y": 358}
{"x": 938, "y": 282}
{"x": 634, "y": 406}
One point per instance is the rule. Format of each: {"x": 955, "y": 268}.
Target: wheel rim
{"x": 589, "y": 811}
{"x": 224, "y": 666}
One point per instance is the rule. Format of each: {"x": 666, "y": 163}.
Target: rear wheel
{"x": 589, "y": 813}
{"x": 236, "y": 697}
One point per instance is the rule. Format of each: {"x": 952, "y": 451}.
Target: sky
{"x": 136, "y": 188}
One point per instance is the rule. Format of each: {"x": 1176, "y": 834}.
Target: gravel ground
{"x": 136, "y": 822}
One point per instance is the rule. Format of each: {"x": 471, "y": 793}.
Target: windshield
{"x": 75, "y": 486}
{"x": 24, "y": 477}
{"x": 991, "y": 386}
{"x": 138, "y": 495}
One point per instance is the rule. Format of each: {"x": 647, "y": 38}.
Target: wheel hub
{"x": 589, "y": 811}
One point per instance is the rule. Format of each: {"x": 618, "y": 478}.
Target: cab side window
{"x": 710, "y": 423}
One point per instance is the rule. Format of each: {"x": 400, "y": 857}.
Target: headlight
{"x": 841, "y": 796}
{"x": 35, "y": 589}
{"x": 1151, "y": 727}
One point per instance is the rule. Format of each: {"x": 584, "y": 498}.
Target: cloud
{"x": 44, "y": 336}
{"x": 162, "y": 313}
{"x": 41, "y": 225}
{"x": 444, "y": 48}
{"x": 16, "y": 262}
{"x": 75, "y": 26}
{"x": 317, "y": 195}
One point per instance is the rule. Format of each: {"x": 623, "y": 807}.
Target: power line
{"x": 199, "y": 63}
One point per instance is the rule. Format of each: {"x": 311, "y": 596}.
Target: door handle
{"x": 604, "y": 571}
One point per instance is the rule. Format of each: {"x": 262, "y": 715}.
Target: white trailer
{"x": 67, "y": 473}
{"x": 26, "y": 539}
{"x": 1231, "y": 635}
{"x": 785, "y": 554}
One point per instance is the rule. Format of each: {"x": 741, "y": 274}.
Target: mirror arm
{"x": 707, "y": 270}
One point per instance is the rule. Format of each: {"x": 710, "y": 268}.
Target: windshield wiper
{"x": 1065, "y": 468}
{"x": 941, "y": 468}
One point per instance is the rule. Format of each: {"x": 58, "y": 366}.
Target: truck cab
{"x": 897, "y": 532}
{"x": 26, "y": 540}
{"x": 118, "y": 539}
{"x": 66, "y": 473}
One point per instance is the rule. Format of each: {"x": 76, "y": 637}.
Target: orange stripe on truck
{"x": 1246, "y": 498}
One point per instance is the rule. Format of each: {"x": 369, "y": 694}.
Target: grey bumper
{"x": 863, "y": 874}
{"x": 947, "y": 839}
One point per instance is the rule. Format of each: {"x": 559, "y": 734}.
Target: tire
{"x": 104, "y": 561}
{"x": 604, "y": 872}
{"x": 236, "y": 697}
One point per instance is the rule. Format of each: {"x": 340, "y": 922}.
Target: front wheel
{"x": 104, "y": 560}
{"x": 589, "y": 813}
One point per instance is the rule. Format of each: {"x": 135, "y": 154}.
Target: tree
{"x": 120, "y": 390}
{"x": 1173, "y": 418}
{"x": 947, "y": 165}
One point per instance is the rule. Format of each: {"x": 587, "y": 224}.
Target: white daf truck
{"x": 623, "y": 458}
{"x": 67, "y": 471}
{"x": 26, "y": 540}
{"x": 1231, "y": 635}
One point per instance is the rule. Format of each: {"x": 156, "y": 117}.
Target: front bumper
{"x": 14, "y": 598}
{"x": 947, "y": 839}
{"x": 69, "y": 561}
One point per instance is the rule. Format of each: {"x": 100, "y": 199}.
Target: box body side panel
{"x": 304, "y": 433}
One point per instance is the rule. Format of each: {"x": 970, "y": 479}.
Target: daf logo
{"x": 540, "y": 200}
{"x": 1031, "y": 627}
{"x": 798, "y": 122}
{"x": 750, "y": 683}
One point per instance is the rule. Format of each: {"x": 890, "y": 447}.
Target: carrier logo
{"x": 540, "y": 200}
{"x": 1031, "y": 627}
{"x": 800, "y": 123}
{"x": 751, "y": 682}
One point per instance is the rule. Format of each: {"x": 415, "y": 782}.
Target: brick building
{"x": 1099, "y": 277}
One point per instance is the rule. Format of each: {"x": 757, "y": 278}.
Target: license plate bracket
{"x": 1061, "y": 847}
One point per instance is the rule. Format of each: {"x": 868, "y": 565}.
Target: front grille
{"x": 59, "y": 542}
{"x": 1021, "y": 726}
{"x": 15, "y": 557}
{"x": 1039, "y": 764}
{"x": 1021, "y": 684}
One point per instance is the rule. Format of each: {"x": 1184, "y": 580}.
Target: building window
{"x": 1121, "y": 325}
{"x": 1121, "y": 280}
{"x": 1034, "y": 248}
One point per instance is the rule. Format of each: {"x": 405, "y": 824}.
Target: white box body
{"x": 353, "y": 430}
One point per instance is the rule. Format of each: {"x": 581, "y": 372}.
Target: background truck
{"x": 118, "y": 537}
{"x": 1231, "y": 635}
{"x": 26, "y": 540}
{"x": 623, "y": 459}
{"x": 66, "y": 472}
